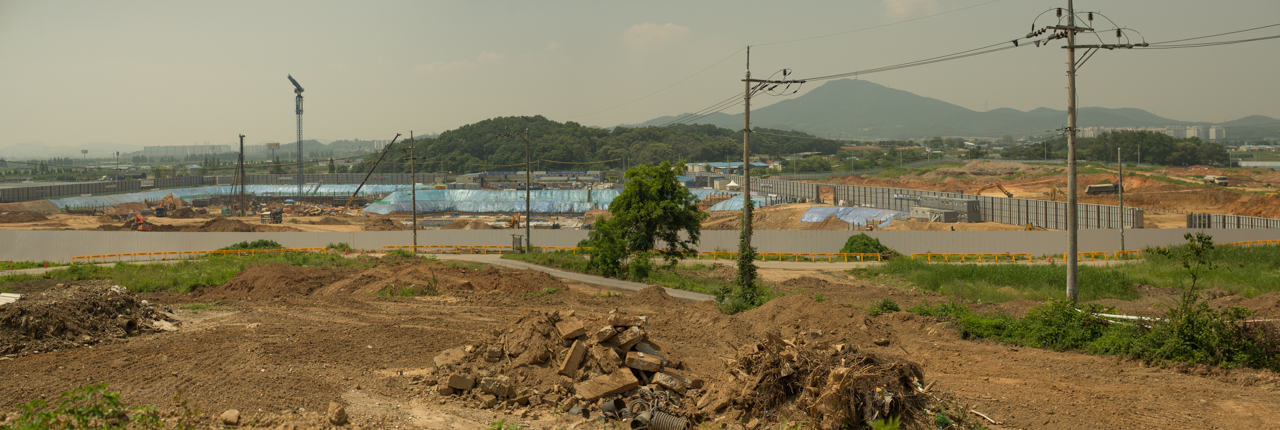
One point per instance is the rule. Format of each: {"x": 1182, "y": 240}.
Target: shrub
{"x": 90, "y": 406}
{"x": 257, "y": 244}
{"x": 884, "y": 307}
{"x": 341, "y": 246}
{"x": 863, "y": 244}
{"x": 399, "y": 253}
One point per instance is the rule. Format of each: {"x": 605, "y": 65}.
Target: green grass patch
{"x": 196, "y": 307}
{"x": 1000, "y": 282}
{"x": 16, "y": 278}
{"x": 341, "y": 246}
{"x": 19, "y": 265}
{"x": 1247, "y": 271}
{"x": 559, "y": 259}
{"x": 544, "y": 292}
{"x": 188, "y": 275}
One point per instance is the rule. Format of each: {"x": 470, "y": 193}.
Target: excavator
{"x": 166, "y": 204}
{"x": 515, "y": 221}
{"x": 1033, "y": 227}
{"x": 138, "y": 223}
{"x": 1055, "y": 193}
{"x": 997, "y": 186}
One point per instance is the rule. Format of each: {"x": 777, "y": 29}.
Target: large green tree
{"x": 655, "y": 212}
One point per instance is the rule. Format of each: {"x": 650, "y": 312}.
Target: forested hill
{"x": 572, "y": 146}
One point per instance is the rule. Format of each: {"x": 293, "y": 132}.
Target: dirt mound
{"x": 979, "y": 168}
{"x": 332, "y": 221}
{"x": 274, "y": 280}
{"x": 831, "y": 223}
{"x": 463, "y": 224}
{"x": 38, "y": 206}
{"x": 182, "y": 213}
{"x": 125, "y": 208}
{"x": 16, "y": 217}
{"x": 492, "y": 279}
{"x": 1266, "y": 306}
{"x": 71, "y": 316}
{"x": 223, "y": 224}
{"x": 383, "y": 224}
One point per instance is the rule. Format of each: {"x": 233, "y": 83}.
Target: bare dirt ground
{"x": 282, "y": 343}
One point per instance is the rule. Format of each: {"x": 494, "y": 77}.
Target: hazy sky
{"x": 179, "y": 72}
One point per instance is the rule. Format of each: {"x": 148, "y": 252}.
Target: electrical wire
{"x": 997, "y": 47}
{"x": 1215, "y": 35}
{"x": 1209, "y": 44}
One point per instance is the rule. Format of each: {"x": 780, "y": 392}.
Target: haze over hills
{"x": 866, "y": 110}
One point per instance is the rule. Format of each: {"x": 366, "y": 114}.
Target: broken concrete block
{"x": 569, "y": 367}
{"x": 605, "y": 333}
{"x": 461, "y": 382}
{"x": 629, "y": 338}
{"x": 619, "y": 320}
{"x": 645, "y": 362}
{"x": 487, "y": 401}
{"x": 649, "y": 348}
{"x": 571, "y": 328}
{"x": 500, "y": 386}
{"x": 670, "y": 382}
{"x": 606, "y": 357}
{"x": 494, "y": 351}
{"x": 607, "y": 385}
{"x": 450, "y": 357}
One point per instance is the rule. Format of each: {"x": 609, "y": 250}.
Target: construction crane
{"x": 995, "y": 185}
{"x": 371, "y": 169}
{"x": 297, "y": 89}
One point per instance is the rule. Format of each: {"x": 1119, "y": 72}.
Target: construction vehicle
{"x": 166, "y": 204}
{"x": 385, "y": 150}
{"x": 1055, "y": 193}
{"x": 1215, "y": 180}
{"x": 1033, "y": 227}
{"x": 995, "y": 185}
{"x": 138, "y": 223}
{"x": 272, "y": 217}
{"x": 515, "y": 221}
{"x": 1098, "y": 189}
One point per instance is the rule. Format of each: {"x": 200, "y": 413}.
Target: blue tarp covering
{"x": 188, "y": 193}
{"x": 735, "y": 204}
{"x": 486, "y": 201}
{"x": 855, "y": 216}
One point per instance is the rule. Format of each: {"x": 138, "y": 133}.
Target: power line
{"x": 1215, "y": 35}
{"x": 1208, "y": 44}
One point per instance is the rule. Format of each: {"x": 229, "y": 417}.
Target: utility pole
{"x": 1120, "y": 164}
{"x": 298, "y": 90}
{"x": 241, "y": 178}
{"x": 761, "y": 85}
{"x": 413, "y": 186}
{"x": 1068, "y": 32}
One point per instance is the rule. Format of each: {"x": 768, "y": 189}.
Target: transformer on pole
{"x": 298, "y": 90}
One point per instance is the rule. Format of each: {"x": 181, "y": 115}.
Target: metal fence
{"x": 1230, "y": 221}
{"x": 1046, "y": 214}
{"x": 41, "y": 192}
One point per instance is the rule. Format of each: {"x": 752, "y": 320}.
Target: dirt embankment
{"x": 16, "y": 217}
{"x": 464, "y": 224}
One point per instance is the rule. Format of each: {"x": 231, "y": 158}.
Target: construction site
{"x": 467, "y": 341}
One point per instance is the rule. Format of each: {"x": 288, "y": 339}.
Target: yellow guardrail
{"x": 976, "y": 257}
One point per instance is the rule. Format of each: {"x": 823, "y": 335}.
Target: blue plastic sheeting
{"x": 189, "y": 193}
{"x": 486, "y": 201}
{"x": 735, "y": 204}
{"x": 855, "y": 216}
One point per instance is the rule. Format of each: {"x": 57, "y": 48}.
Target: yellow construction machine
{"x": 995, "y": 185}
{"x": 1033, "y": 227}
{"x": 1055, "y": 193}
{"x": 515, "y": 221}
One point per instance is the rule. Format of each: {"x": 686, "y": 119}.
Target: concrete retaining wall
{"x": 62, "y": 245}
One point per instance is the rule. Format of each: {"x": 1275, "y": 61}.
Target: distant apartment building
{"x": 1213, "y": 133}
{"x": 180, "y": 151}
{"x": 1217, "y": 133}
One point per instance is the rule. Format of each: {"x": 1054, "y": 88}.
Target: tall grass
{"x": 1004, "y": 282}
{"x": 1247, "y": 271}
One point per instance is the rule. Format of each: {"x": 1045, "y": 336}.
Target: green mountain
{"x": 866, "y": 110}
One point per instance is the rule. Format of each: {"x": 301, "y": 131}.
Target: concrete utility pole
{"x": 1073, "y": 229}
{"x": 1120, "y": 164}
{"x": 240, "y": 176}
{"x": 528, "y": 184}
{"x": 762, "y": 84}
{"x": 413, "y": 186}
{"x": 1069, "y": 32}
